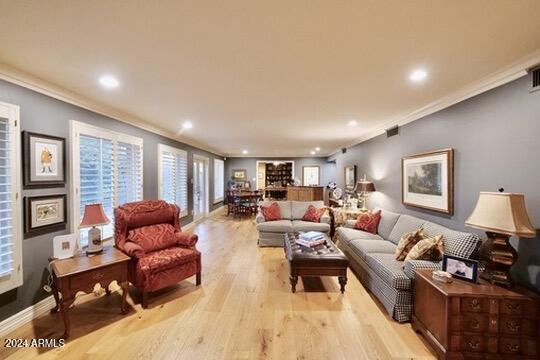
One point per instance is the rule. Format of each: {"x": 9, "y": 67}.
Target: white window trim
{"x": 176, "y": 151}
{"x": 221, "y": 198}
{"x": 15, "y": 279}
{"x": 76, "y": 128}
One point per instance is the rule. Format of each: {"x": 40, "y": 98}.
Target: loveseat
{"x": 271, "y": 232}
{"x": 372, "y": 256}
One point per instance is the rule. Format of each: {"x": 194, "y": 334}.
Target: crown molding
{"x": 496, "y": 79}
{"x": 28, "y": 81}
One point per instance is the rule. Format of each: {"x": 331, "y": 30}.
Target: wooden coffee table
{"x": 323, "y": 260}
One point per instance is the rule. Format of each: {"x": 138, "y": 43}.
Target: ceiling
{"x": 277, "y": 78}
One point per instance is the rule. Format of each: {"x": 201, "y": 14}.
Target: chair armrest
{"x": 410, "y": 265}
{"x": 186, "y": 240}
{"x": 259, "y": 218}
{"x": 349, "y": 224}
{"x": 134, "y": 250}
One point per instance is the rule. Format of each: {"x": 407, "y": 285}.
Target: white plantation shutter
{"x": 10, "y": 236}
{"x": 219, "y": 180}
{"x": 173, "y": 177}
{"x": 108, "y": 169}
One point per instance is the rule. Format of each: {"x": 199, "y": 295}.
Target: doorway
{"x": 200, "y": 187}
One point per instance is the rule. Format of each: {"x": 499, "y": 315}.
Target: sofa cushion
{"x": 407, "y": 242}
{"x": 279, "y": 226}
{"x": 299, "y": 208}
{"x": 167, "y": 259}
{"x": 368, "y": 221}
{"x": 363, "y": 247}
{"x": 313, "y": 214}
{"x": 284, "y": 208}
{"x": 389, "y": 270}
{"x": 347, "y": 234}
{"x": 404, "y": 224}
{"x": 271, "y": 213}
{"x": 387, "y": 222}
{"x": 427, "y": 249}
{"x": 153, "y": 237}
{"x": 300, "y": 225}
{"x": 456, "y": 243}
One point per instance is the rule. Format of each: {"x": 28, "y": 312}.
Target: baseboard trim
{"x": 192, "y": 224}
{"x": 27, "y": 315}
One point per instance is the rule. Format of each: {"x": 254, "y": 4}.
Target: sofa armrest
{"x": 410, "y": 265}
{"x": 133, "y": 250}
{"x": 186, "y": 239}
{"x": 325, "y": 218}
{"x": 259, "y": 218}
{"x": 350, "y": 224}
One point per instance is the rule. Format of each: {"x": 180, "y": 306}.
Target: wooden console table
{"x": 462, "y": 320}
{"x": 82, "y": 274}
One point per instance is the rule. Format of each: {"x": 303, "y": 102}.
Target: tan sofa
{"x": 271, "y": 232}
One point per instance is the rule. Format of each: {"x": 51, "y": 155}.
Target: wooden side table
{"x": 462, "y": 320}
{"x": 82, "y": 274}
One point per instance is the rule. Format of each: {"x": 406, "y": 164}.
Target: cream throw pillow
{"x": 427, "y": 249}
{"x": 407, "y": 242}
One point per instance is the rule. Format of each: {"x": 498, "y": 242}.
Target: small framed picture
{"x": 464, "y": 269}
{"x": 64, "y": 246}
{"x": 239, "y": 174}
{"x": 44, "y": 160}
{"x": 44, "y": 214}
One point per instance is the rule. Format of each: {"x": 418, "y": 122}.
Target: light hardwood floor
{"x": 243, "y": 310}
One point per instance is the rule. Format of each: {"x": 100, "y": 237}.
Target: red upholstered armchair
{"x": 161, "y": 255}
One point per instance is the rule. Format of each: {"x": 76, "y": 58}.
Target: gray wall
{"x": 250, "y": 164}
{"x": 495, "y": 139}
{"x": 42, "y": 114}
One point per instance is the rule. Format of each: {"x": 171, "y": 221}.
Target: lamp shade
{"x": 93, "y": 216}
{"x": 502, "y": 213}
{"x": 364, "y": 186}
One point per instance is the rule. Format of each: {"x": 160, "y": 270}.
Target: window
{"x": 173, "y": 186}
{"x": 107, "y": 169}
{"x": 10, "y": 210}
{"x": 219, "y": 180}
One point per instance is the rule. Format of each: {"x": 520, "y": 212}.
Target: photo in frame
{"x": 44, "y": 214}
{"x": 239, "y": 174}
{"x": 64, "y": 246}
{"x": 350, "y": 177}
{"x": 427, "y": 181}
{"x": 461, "y": 268}
{"x": 310, "y": 176}
{"x": 44, "y": 160}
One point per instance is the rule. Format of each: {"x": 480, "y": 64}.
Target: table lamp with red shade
{"x": 94, "y": 216}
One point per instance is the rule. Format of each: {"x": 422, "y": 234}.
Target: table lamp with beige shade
{"x": 94, "y": 216}
{"x": 501, "y": 215}
{"x": 363, "y": 188}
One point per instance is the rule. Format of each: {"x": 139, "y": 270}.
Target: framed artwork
{"x": 427, "y": 181}
{"x": 350, "y": 177}
{"x": 310, "y": 175}
{"x": 64, "y": 246}
{"x": 239, "y": 174}
{"x": 464, "y": 269}
{"x": 44, "y": 214}
{"x": 44, "y": 160}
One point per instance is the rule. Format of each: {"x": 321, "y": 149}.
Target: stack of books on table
{"x": 311, "y": 238}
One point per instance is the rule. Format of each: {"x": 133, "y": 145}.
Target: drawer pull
{"x": 474, "y": 324}
{"x": 493, "y": 321}
{"x": 513, "y": 307}
{"x": 474, "y": 345}
{"x": 475, "y": 304}
{"x": 98, "y": 275}
{"x": 512, "y": 348}
{"x": 512, "y": 326}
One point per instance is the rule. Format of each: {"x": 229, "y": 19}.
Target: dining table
{"x": 243, "y": 203}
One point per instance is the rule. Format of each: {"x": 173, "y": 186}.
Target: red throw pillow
{"x": 368, "y": 221}
{"x": 153, "y": 237}
{"x": 313, "y": 214}
{"x": 271, "y": 213}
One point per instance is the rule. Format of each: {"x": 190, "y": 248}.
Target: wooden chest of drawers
{"x": 476, "y": 321}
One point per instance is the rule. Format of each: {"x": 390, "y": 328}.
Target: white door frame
{"x": 206, "y": 199}
{"x": 265, "y": 162}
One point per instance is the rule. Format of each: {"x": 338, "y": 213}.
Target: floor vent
{"x": 535, "y": 79}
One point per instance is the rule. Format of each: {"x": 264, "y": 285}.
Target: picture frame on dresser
{"x": 427, "y": 181}
{"x": 461, "y": 268}
{"x": 44, "y": 160}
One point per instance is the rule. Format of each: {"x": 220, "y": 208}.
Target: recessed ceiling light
{"x": 352, "y": 123}
{"x": 244, "y": 152}
{"x": 418, "y": 75}
{"x": 317, "y": 149}
{"x": 109, "y": 82}
{"x": 312, "y": 152}
{"x": 187, "y": 125}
